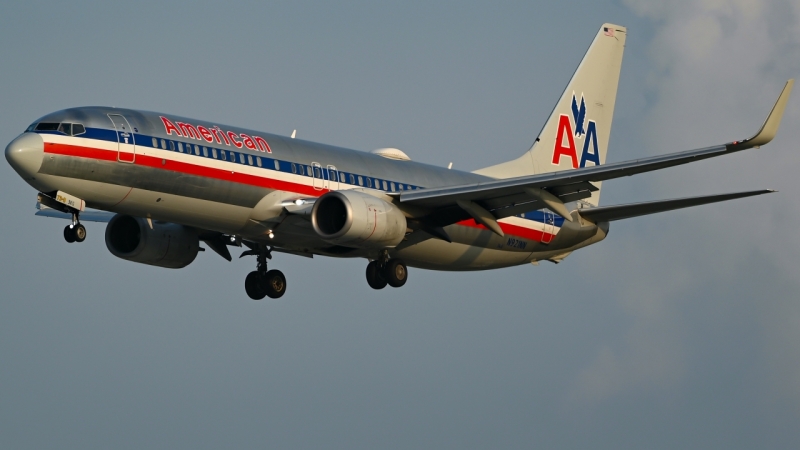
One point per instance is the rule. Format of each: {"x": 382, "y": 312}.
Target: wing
{"x": 508, "y": 197}
{"x": 90, "y": 215}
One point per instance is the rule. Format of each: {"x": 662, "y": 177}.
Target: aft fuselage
{"x": 236, "y": 181}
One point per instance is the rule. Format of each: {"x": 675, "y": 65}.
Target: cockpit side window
{"x": 65, "y": 128}
{"x": 77, "y": 129}
{"x": 46, "y": 126}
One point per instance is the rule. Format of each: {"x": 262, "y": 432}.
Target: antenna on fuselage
{"x": 294, "y": 133}
{"x": 450, "y": 166}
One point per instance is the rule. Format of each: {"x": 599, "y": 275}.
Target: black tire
{"x": 253, "y": 286}
{"x": 69, "y": 234}
{"x": 274, "y": 284}
{"x": 374, "y": 276}
{"x": 395, "y": 272}
{"x": 79, "y": 231}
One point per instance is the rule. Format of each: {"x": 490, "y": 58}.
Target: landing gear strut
{"x": 75, "y": 232}
{"x": 262, "y": 282}
{"x": 385, "y": 270}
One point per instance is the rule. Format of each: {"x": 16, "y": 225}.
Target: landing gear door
{"x": 549, "y": 226}
{"x": 126, "y": 150}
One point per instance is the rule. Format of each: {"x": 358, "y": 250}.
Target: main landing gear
{"x": 262, "y": 282}
{"x": 385, "y": 270}
{"x": 75, "y": 232}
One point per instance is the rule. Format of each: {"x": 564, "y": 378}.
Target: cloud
{"x": 715, "y": 68}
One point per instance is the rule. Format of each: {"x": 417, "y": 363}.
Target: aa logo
{"x": 572, "y": 128}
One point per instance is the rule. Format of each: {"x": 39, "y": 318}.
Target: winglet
{"x": 770, "y": 127}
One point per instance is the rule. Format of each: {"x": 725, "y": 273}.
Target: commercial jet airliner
{"x": 166, "y": 183}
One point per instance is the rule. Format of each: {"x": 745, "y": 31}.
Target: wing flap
{"x": 89, "y": 215}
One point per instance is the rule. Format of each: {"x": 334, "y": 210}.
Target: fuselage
{"x": 236, "y": 181}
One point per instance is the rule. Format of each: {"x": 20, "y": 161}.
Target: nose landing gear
{"x": 385, "y": 270}
{"x": 262, "y": 282}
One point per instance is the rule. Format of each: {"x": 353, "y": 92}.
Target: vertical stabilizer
{"x": 576, "y": 134}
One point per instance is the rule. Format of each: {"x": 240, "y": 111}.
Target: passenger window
{"x": 155, "y": 143}
{"x": 394, "y": 187}
{"x": 47, "y": 126}
{"x": 65, "y": 128}
{"x": 385, "y": 188}
{"x": 163, "y": 144}
{"x": 250, "y": 159}
{"x": 360, "y": 181}
{"x": 214, "y": 153}
{"x": 172, "y": 145}
{"x": 277, "y": 165}
{"x": 180, "y": 147}
{"x": 308, "y": 171}
{"x": 352, "y": 179}
{"x": 205, "y": 152}
{"x": 294, "y": 168}
{"x": 369, "y": 182}
{"x": 197, "y": 150}
{"x": 332, "y": 175}
{"x": 222, "y": 155}
{"x": 317, "y": 173}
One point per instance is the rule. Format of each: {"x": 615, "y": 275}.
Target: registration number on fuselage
{"x": 516, "y": 243}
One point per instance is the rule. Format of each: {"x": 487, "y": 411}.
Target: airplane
{"x": 165, "y": 183}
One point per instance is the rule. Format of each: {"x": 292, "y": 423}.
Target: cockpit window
{"x": 70, "y": 129}
{"x": 47, "y": 126}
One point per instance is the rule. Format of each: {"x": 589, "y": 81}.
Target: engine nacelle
{"x": 356, "y": 219}
{"x": 165, "y": 245}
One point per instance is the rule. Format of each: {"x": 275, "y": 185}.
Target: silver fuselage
{"x": 203, "y": 175}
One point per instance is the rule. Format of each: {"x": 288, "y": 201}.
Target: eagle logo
{"x": 579, "y": 114}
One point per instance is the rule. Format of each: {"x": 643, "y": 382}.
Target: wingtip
{"x": 770, "y": 127}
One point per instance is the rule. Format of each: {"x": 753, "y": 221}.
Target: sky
{"x": 680, "y": 330}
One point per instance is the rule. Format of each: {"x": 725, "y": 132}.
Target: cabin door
{"x": 126, "y": 145}
{"x": 549, "y": 226}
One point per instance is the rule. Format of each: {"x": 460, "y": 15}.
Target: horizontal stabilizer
{"x": 618, "y": 212}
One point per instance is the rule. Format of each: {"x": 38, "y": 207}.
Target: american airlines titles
{"x": 217, "y": 134}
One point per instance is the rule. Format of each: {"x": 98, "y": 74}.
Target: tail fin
{"x": 576, "y": 134}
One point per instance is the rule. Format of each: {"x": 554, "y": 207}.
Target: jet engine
{"x": 356, "y": 219}
{"x": 164, "y": 245}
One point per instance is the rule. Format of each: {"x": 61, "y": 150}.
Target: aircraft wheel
{"x": 253, "y": 286}
{"x": 395, "y": 272}
{"x": 274, "y": 284}
{"x": 79, "y": 231}
{"x": 69, "y": 234}
{"x": 375, "y": 278}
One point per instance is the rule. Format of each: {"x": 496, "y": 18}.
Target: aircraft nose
{"x": 25, "y": 154}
